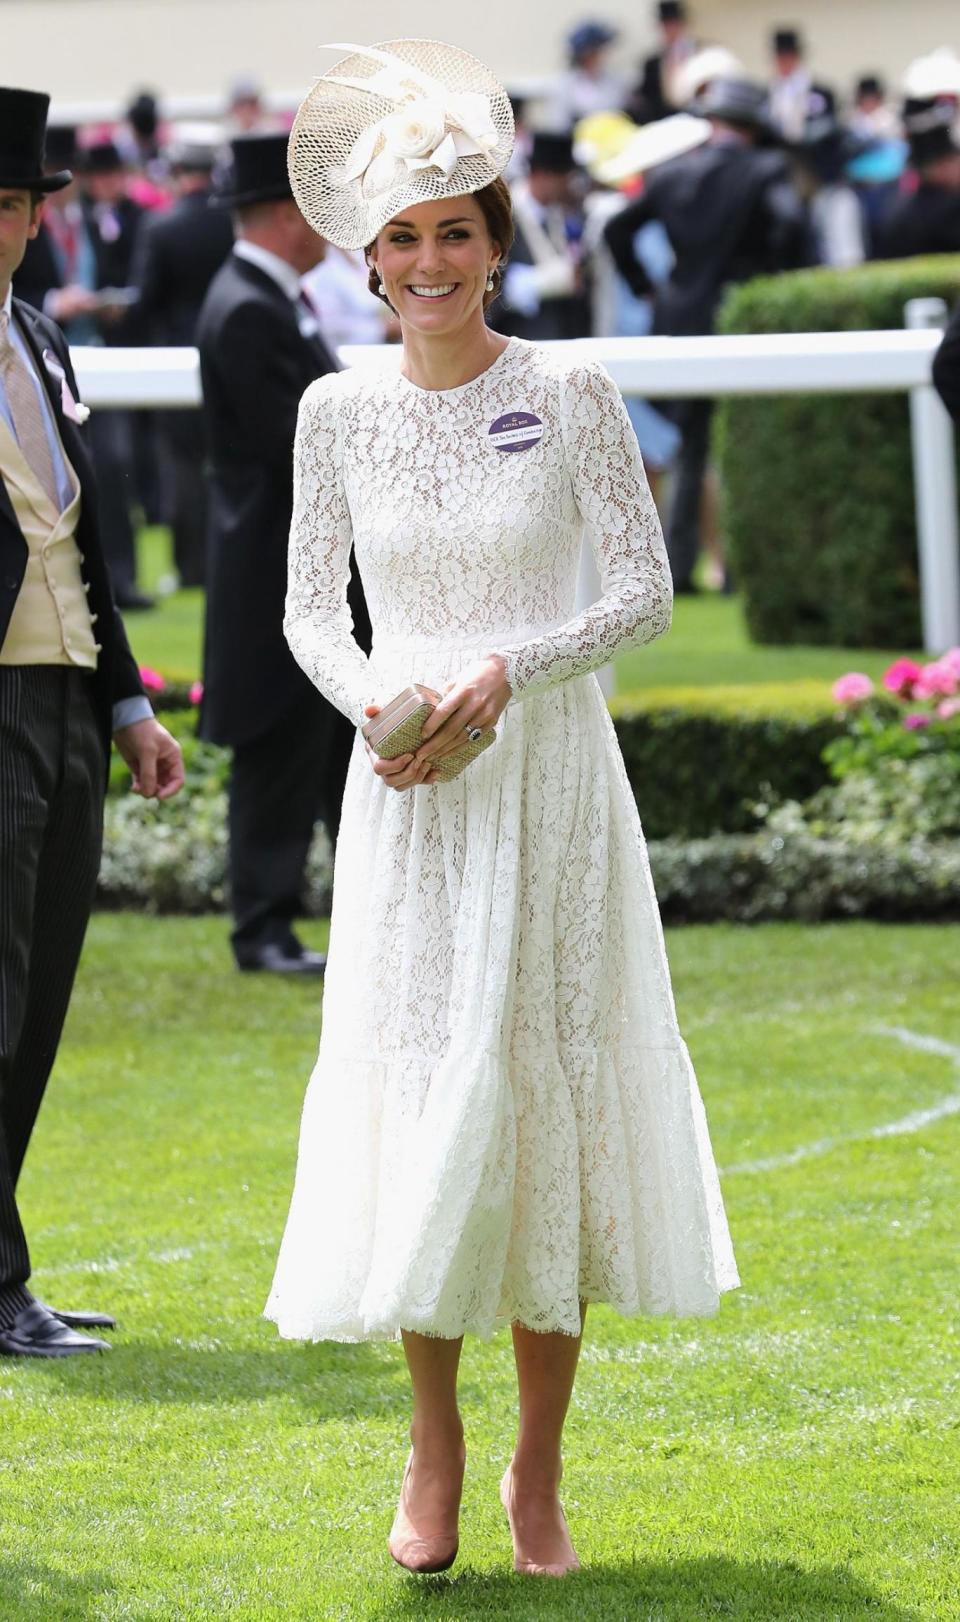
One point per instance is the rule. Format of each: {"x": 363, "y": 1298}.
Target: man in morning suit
{"x": 67, "y": 681}
{"x": 260, "y": 347}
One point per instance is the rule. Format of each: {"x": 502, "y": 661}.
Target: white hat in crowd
{"x": 393, "y": 125}
{"x": 937, "y": 74}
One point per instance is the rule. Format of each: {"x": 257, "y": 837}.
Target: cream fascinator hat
{"x": 392, "y": 125}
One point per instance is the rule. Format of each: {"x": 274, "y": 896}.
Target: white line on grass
{"x": 907, "y": 1123}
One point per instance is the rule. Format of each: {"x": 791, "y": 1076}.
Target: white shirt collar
{"x": 272, "y": 265}
{"x": 8, "y": 301}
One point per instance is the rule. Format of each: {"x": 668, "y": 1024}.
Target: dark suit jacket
{"x": 927, "y": 221}
{"x": 946, "y": 367}
{"x": 177, "y": 255}
{"x": 254, "y": 365}
{"x": 730, "y": 213}
{"x": 116, "y": 675}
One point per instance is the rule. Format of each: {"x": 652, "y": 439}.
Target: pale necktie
{"x": 26, "y": 412}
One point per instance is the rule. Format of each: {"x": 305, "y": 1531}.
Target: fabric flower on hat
{"x": 423, "y": 133}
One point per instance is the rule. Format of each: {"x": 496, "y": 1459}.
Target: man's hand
{"x": 64, "y": 303}
{"x": 154, "y": 758}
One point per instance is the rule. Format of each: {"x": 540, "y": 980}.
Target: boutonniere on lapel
{"x": 71, "y": 408}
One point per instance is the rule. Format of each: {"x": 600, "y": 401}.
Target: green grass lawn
{"x": 794, "y": 1458}
{"x": 706, "y": 647}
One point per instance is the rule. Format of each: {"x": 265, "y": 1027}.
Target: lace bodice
{"x": 466, "y": 509}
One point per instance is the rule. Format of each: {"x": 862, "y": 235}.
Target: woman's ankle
{"x": 437, "y": 1439}
{"x": 534, "y": 1471}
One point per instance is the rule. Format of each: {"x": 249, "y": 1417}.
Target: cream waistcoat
{"x": 51, "y": 623}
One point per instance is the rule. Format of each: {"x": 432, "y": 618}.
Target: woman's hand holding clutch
{"x": 477, "y": 699}
{"x": 403, "y": 771}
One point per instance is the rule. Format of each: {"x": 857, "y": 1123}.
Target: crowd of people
{"x": 637, "y": 202}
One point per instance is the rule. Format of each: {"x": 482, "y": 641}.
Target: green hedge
{"x": 697, "y": 758}
{"x": 818, "y": 506}
{"x": 697, "y": 766}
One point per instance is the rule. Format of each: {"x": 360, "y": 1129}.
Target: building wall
{"x": 94, "y": 52}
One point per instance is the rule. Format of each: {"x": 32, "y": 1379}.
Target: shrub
{"x": 818, "y": 503}
{"x": 789, "y": 872}
{"x": 697, "y": 768}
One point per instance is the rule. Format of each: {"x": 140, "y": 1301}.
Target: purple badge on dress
{"x": 516, "y": 431}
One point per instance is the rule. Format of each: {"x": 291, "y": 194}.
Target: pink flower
{"x": 948, "y": 708}
{"x": 152, "y": 679}
{"x": 919, "y": 718}
{"x": 936, "y": 680}
{"x": 852, "y": 688}
{"x": 901, "y": 677}
{"x": 196, "y": 692}
{"x": 951, "y": 661}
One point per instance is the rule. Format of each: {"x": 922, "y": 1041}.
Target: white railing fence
{"x": 675, "y": 368}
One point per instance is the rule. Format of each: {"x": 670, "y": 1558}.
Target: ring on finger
{"x": 474, "y": 733}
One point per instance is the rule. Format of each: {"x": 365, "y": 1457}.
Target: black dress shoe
{"x": 82, "y": 1320}
{"x": 276, "y": 959}
{"x": 35, "y": 1332}
{"x": 132, "y": 600}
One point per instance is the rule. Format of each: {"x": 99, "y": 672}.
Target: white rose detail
{"x": 416, "y": 130}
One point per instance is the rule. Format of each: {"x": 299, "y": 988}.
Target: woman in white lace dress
{"x": 503, "y": 1124}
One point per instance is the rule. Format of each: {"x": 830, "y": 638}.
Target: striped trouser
{"x": 51, "y": 822}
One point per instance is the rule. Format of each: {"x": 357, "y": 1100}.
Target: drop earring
{"x": 381, "y": 289}
{"x": 490, "y": 282}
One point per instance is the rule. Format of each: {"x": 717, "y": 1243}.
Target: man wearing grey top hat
{"x": 67, "y": 681}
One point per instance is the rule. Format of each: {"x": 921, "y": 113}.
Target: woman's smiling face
{"x": 434, "y": 260}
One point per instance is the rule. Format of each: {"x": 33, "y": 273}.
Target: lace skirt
{"x": 503, "y": 1118}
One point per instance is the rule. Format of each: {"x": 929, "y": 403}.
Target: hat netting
{"x": 333, "y": 116}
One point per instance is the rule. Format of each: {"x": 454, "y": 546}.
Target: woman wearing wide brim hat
{"x": 503, "y": 1123}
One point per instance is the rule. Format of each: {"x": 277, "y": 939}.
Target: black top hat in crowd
{"x": 23, "y": 125}
{"x": 100, "y": 158}
{"x": 931, "y": 129}
{"x": 552, "y": 152}
{"x": 257, "y": 173}
{"x": 671, "y": 11}
{"x": 787, "y": 42}
{"x": 870, "y": 84}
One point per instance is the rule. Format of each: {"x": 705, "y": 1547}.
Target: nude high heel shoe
{"x": 531, "y": 1568}
{"x": 409, "y": 1548}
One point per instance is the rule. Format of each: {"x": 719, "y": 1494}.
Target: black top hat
{"x": 258, "y": 171}
{"x": 100, "y": 158}
{"x": 553, "y": 152}
{"x": 671, "y": 11}
{"x": 869, "y": 84}
{"x": 930, "y": 126}
{"x": 142, "y": 114}
{"x": 23, "y": 123}
{"x": 736, "y": 101}
{"x": 787, "y": 41}
{"x": 61, "y": 150}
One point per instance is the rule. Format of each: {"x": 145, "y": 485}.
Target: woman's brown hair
{"x": 497, "y": 210}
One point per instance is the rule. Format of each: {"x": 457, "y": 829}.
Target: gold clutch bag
{"x": 398, "y": 728}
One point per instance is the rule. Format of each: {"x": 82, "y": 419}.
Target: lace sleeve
{"x": 317, "y": 622}
{"x": 614, "y": 499}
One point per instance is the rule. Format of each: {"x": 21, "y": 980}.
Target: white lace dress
{"x": 503, "y": 1118}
